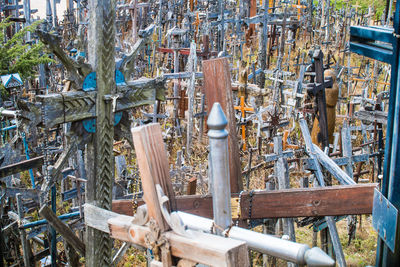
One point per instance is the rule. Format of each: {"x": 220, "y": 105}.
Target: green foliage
{"x": 377, "y": 5}
{"x": 16, "y": 56}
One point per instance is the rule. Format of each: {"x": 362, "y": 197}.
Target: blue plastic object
{"x": 90, "y": 84}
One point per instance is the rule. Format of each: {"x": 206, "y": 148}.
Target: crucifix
{"x": 317, "y": 89}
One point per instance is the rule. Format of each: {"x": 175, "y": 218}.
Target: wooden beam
{"x": 199, "y": 247}
{"x": 62, "y": 229}
{"x": 21, "y": 166}
{"x": 217, "y": 84}
{"x": 153, "y": 166}
{"x": 299, "y": 202}
{"x": 191, "y": 186}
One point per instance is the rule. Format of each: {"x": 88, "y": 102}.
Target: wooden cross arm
{"x": 274, "y": 157}
{"x": 202, "y": 248}
{"x": 79, "y": 105}
{"x": 372, "y": 116}
{"x": 288, "y": 203}
{"x": 21, "y": 166}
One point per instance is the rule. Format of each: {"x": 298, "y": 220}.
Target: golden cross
{"x": 196, "y": 23}
{"x": 243, "y": 109}
{"x": 299, "y": 7}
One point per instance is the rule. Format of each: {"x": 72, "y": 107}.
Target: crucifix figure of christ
{"x": 317, "y": 89}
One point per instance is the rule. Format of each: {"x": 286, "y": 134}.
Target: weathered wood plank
{"x": 153, "y": 166}
{"x": 299, "y": 202}
{"x": 217, "y": 84}
{"x": 372, "y": 116}
{"x": 191, "y": 186}
{"x": 63, "y": 229}
{"x": 203, "y": 248}
{"x": 21, "y": 166}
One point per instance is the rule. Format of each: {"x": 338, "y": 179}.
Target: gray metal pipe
{"x": 220, "y": 168}
{"x": 267, "y": 244}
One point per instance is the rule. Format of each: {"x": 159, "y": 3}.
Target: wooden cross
{"x": 285, "y": 144}
{"x": 311, "y": 150}
{"x": 152, "y": 223}
{"x": 243, "y": 108}
{"x": 190, "y": 247}
{"x": 281, "y": 171}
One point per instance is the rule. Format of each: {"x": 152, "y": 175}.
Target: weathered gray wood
{"x": 330, "y": 165}
{"x": 347, "y": 148}
{"x": 96, "y": 217}
{"x": 24, "y": 242}
{"x": 75, "y": 70}
{"x": 21, "y": 166}
{"x": 282, "y": 173}
{"x": 25, "y": 193}
{"x": 101, "y": 55}
{"x": 62, "y": 229}
{"x": 372, "y": 116}
{"x": 79, "y": 105}
{"x": 314, "y": 151}
{"x": 192, "y": 65}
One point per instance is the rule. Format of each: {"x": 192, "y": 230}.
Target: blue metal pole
{"x": 43, "y": 222}
{"x": 27, "y": 157}
{"x": 53, "y": 249}
{"x": 12, "y": 127}
{"x": 391, "y": 175}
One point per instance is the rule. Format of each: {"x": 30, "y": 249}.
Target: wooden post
{"x": 191, "y": 94}
{"x": 191, "y": 186}
{"x": 100, "y": 157}
{"x": 282, "y": 173}
{"x": 217, "y": 84}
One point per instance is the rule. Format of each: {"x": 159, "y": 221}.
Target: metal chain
{"x": 251, "y": 207}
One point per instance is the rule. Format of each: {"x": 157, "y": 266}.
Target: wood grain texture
{"x": 153, "y": 166}
{"x": 207, "y": 249}
{"x": 191, "y": 186}
{"x": 21, "y": 166}
{"x": 328, "y": 201}
{"x": 217, "y": 84}
{"x": 62, "y": 229}
{"x": 302, "y": 202}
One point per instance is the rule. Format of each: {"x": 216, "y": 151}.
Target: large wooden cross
{"x": 163, "y": 233}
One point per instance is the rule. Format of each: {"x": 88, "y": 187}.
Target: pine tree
{"x": 17, "y": 56}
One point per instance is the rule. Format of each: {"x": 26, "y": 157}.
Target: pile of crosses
{"x": 109, "y": 142}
